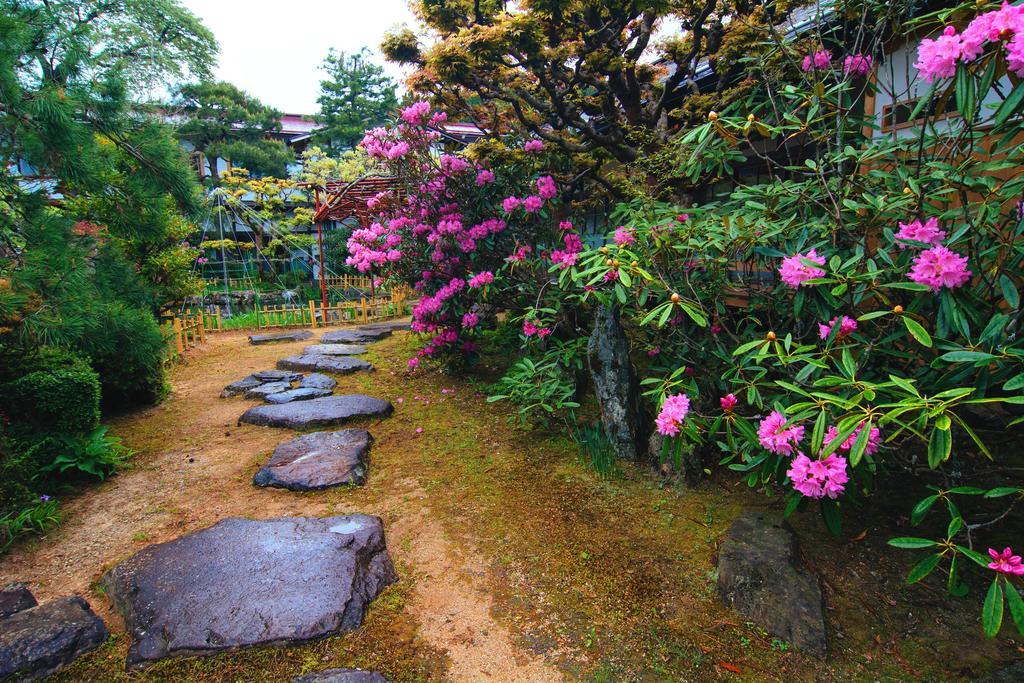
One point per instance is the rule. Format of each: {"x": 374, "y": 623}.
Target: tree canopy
{"x": 355, "y": 96}
{"x": 223, "y": 122}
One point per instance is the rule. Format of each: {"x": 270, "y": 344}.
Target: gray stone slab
{"x": 341, "y": 676}
{"x": 353, "y": 336}
{"x": 334, "y": 350}
{"x": 264, "y": 390}
{"x": 15, "y": 597}
{"x": 248, "y": 582}
{"x": 317, "y": 380}
{"x": 277, "y": 376}
{"x": 320, "y": 412}
{"x": 339, "y": 365}
{"x": 297, "y": 335}
{"x": 241, "y": 386}
{"x": 318, "y": 460}
{"x": 38, "y": 641}
{"x": 300, "y": 394}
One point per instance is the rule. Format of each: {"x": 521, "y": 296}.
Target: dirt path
{"x": 193, "y": 468}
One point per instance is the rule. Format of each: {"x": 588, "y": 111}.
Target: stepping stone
{"x": 245, "y": 582}
{"x": 354, "y": 336}
{"x": 318, "y": 381}
{"x": 341, "y": 676}
{"x": 318, "y": 461}
{"x": 298, "y": 335}
{"x": 391, "y": 326}
{"x": 339, "y": 365}
{"x": 264, "y": 390}
{"x": 300, "y": 394}
{"x": 320, "y": 412}
{"x": 37, "y": 641}
{"x": 241, "y": 386}
{"x": 761, "y": 576}
{"x": 334, "y": 349}
{"x": 277, "y": 376}
{"x": 15, "y": 597}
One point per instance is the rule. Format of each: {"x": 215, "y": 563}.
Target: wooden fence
{"x": 364, "y": 310}
{"x": 348, "y": 282}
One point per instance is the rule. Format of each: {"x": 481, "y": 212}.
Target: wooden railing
{"x": 348, "y": 282}
{"x": 363, "y": 310}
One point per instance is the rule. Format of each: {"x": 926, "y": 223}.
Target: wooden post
{"x": 312, "y": 312}
{"x": 218, "y": 319}
{"x": 176, "y": 325}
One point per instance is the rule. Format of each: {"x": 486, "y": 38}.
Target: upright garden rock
{"x": 300, "y": 394}
{"x": 341, "y": 676}
{"x": 339, "y": 365}
{"x": 320, "y": 412}
{"x": 245, "y": 582}
{"x": 354, "y": 336}
{"x": 37, "y": 641}
{"x": 318, "y": 461}
{"x": 760, "y": 575}
{"x": 334, "y": 350}
{"x": 15, "y": 597}
{"x": 297, "y": 335}
{"x": 317, "y": 380}
{"x": 616, "y": 385}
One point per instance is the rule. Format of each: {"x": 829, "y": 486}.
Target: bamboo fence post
{"x": 218, "y": 319}
{"x": 312, "y": 313}
{"x": 176, "y": 326}
{"x": 362, "y": 304}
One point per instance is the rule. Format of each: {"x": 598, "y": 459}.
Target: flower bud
{"x": 675, "y": 298}
{"x": 897, "y": 309}
{"x": 770, "y": 336}
{"x": 712, "y": 116}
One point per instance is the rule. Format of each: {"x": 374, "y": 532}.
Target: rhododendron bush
{"x": 856, "y": 315}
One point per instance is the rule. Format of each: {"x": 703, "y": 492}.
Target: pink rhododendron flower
{"x": 673, "y": 412}
{"x": 470, "y": 320}
{"x": 939, "y": 267}
{"x": 728, "y": 402}
{"x": 510, "y": 204}
{"x": 1006, "y": 562}
{"x": 529, "y": 329}
{"x": 546, "y": 187}
{"x": 937, "y": 58}
{"x": 818, "y": 478}
{"x": 776, "y": 436}
{"x": 847, "y": 326}
{"x": 481, "y": 279}
{"x": 1002, "y": 24}
{"x": 682, "y": 218}
{"x": 533, "y": 146}
{"x": 624, "y": 236}
{"x": 483, "y": 177}
{"x": 533, "y": 203}
{"x": 857, "y": 65}
{"x": 565, "y": 226}
{"x": 416, "y": 113}
{"x": 916, "y": 231}
{"x": 413, "y": 363}
{"x": 651, "y": 353}
{"x": 874, "y": 439}
{"x": 543, "y": 332}
{"x": 822, "y": 59}
{"x": 795, "y": 272}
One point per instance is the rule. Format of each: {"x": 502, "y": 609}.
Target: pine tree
{"x": 355, "y": 96}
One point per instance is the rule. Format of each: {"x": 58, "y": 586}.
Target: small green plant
{"x": 596, "y": 450}
{"x": 96, "y": 454}
{"x": 36, "y": 518}
{"x": 540, "y": 388}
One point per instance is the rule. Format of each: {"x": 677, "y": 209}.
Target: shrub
{"x": 126, "y": 348}
{"x": 62, "y": 400}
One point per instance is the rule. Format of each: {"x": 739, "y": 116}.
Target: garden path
{"x": 194, "y": 467}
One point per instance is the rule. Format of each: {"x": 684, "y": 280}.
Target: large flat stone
{"x": 264, "y": 390}
{"x": 300, "y": 394}
{"x": 390, "y": 325}
{"x": 334, "y": 350}
{"x": 339, "y": 365}
{"x": 297, "y": 335}
{"x": 760, "y": 575}
{"x": 320, "y": 412}
{"x": 318, "y": 461}
{"x": 38, "y": 641}
{"x": 248, "y": 582}
{"x": 15, "y": 597}
{"x": 354, "y": 336}
{"x": 341, "y": 676}
{"x": 317, "y": 380}
{"x": 241, "y": 386}
{"x": 277, "y": 376}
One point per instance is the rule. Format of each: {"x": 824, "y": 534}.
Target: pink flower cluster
{"x": 820, "y": 60}
{"x": 1006, "y": 562}
{"x": 728, "y": 402}
{"x": 778, "y": 437}
{"x": 533, "y": 146}
{"x": 874, "y": 439}
{"x": 916, "y": 231}
{"x": 567, "y": 257}
{"x": 794, "y": 272}
{"x": 673, "y": 412}
{"x": 938, "y": 57}
{"x": 484, "y": 176}
{"x": 624, "y": 236}
{"x": 481, "y": 279}
{"x": 546, "y": 187}
{"x": 847, "y": 326}
{"x": 939, "y": 267}
{"x": 818, "y": 478}
{"x": 857, "y": 65}
{"x": 530, "y": 328}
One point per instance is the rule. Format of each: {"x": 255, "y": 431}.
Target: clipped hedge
{"x": 126, "y": 348}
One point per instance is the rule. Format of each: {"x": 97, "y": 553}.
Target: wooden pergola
{"x": 343, "y": 200}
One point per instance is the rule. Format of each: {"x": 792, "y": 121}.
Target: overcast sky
{"x": 273, "y": 49}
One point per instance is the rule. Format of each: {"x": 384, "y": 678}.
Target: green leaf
{"x": 939, "y": 446}
{"x": 973, "y": 556}
{"x": 1010, "y": 106}
{"x": 860, "y": 444}
{"x": 1001, "y": 491}
{"x": 992, "y": 609}
{"x": 830, "y": 513}
{"x": 965, "y": 356}
{"x": 1009, "y": 291}
{"x": 872, "y": 315}
{"x": 923, "y": 568}
{"x": 1016, "y": 605}
{"x": 1014, "y": 383}
{"x": 921, "y": 509}
{"x": 910, "y": 542}
{"x": 917, "y": 332}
